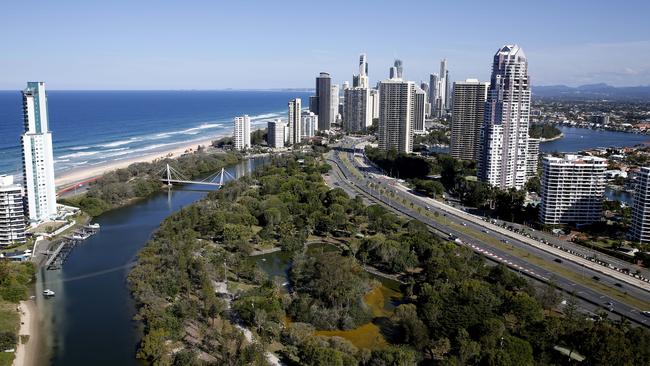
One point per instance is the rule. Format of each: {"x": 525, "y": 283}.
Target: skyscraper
{"x": 358, "y": 113}
{"x": 295, "y": 124}
{"x": 38, "y": 161}
{"x": 640, "y": 224}
{"x": 434, "y": 91}
{"x": 419, "y": 109}
{"x": 467, "y": 118}
{"x": 572, "y": 189}
{"x": 396, "y": 114}
{"x": 399, "y": 69}
{"x": 242, "y": 133}
{"x": 12, "y": 216}
{"x": 275, "y": 133}
{"x": 357, "y": 108}
{"x": 504, "y": 133}
{"x": 323, "y": 101}
{"x": 309, "y": 124}
{"x": 532, "y": 157}
{"x": 334, "y": 103}
{"x": 362, "y": 77}
{"x": 374, "y": 104}
{"x": 443, "y": 88}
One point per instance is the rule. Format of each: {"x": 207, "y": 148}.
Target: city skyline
{"x": 110, "y": 54}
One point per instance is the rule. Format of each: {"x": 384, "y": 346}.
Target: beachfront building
{"x": 640, "y": 225}
{"x": 275, "y": 133}
{"x": 294, "y": 121}
{"x": 467, "y": 118}
{"x": 504, "y": 132}
{"x": 12, "y": 216}
{"x": 572, "y": 189}
{"x": 38, "y": 161}
{"x": 396, "y": 113}
{"x": 242, "y": 134}
{"x": 309, "y": 125}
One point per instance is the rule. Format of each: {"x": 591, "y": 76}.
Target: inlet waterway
{"x": 90, "y": 320}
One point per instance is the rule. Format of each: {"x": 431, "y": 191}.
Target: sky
{"x": 192, "y": 44}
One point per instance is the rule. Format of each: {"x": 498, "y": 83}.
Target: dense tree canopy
{"x": 456, "y": 310}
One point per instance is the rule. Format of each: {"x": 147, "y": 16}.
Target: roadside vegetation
{"x": 456, "y": 310}
{"x": 15, "y": 279}
{"x": 140, "y": 180}
{"x": 439, "y": 173}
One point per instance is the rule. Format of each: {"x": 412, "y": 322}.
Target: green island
{"x": 203, "y": 299}
{"x": 15, "y": 281}
{"x": 544, "y": 131}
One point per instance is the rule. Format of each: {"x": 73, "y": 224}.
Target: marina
{"x": 60, "y": 255}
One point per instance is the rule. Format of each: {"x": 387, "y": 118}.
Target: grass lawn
{"x": 6, "y": 359}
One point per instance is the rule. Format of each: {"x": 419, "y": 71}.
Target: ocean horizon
{"x": 93, "y": 127}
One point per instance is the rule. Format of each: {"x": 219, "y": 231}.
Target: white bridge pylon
{"x": 173, "y": 176}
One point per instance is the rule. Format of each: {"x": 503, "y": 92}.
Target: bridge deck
{"x": 168, "y": 181}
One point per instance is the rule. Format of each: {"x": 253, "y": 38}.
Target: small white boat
{"x": 93, "y": 226}
{"x": 48, "y": 292}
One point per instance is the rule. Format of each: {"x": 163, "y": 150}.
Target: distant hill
{"x": 592, "y": 91}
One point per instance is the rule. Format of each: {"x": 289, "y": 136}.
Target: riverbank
{"x": 28, "y": 346}
{"x": 554, "y": 138}
{"x": 80, "y": 175}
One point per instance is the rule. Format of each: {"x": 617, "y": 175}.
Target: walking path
{"x": 26, "y": 353}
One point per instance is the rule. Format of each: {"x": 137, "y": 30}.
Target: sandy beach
{"x": 84, "y": 173}
{"x": 26, "y": 353}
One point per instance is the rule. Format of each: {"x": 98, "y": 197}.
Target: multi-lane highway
{"x": 610, "y": 291}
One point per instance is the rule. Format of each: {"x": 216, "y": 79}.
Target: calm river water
{"x": 90, "y": 321}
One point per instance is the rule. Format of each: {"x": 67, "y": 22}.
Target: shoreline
{"x": 554, "y": 138}
{"x": 26, "y": 354}
{"x": 82, "y": 174}
{"x": 70, "y": 178}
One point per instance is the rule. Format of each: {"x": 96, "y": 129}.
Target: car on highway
{"x": 646, "y": 313}
{"x": 486, "y": 231}
{"x": 558, "y": 260}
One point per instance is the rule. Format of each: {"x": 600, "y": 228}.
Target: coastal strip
{"x": 76, "y": 176}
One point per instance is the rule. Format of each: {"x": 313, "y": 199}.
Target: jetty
{"x": 58, "y": 258}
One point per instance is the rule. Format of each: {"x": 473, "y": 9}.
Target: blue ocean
{"x": 92, "y": 127}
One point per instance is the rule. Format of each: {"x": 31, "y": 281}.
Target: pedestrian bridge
{"x": 171, "y": 176}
